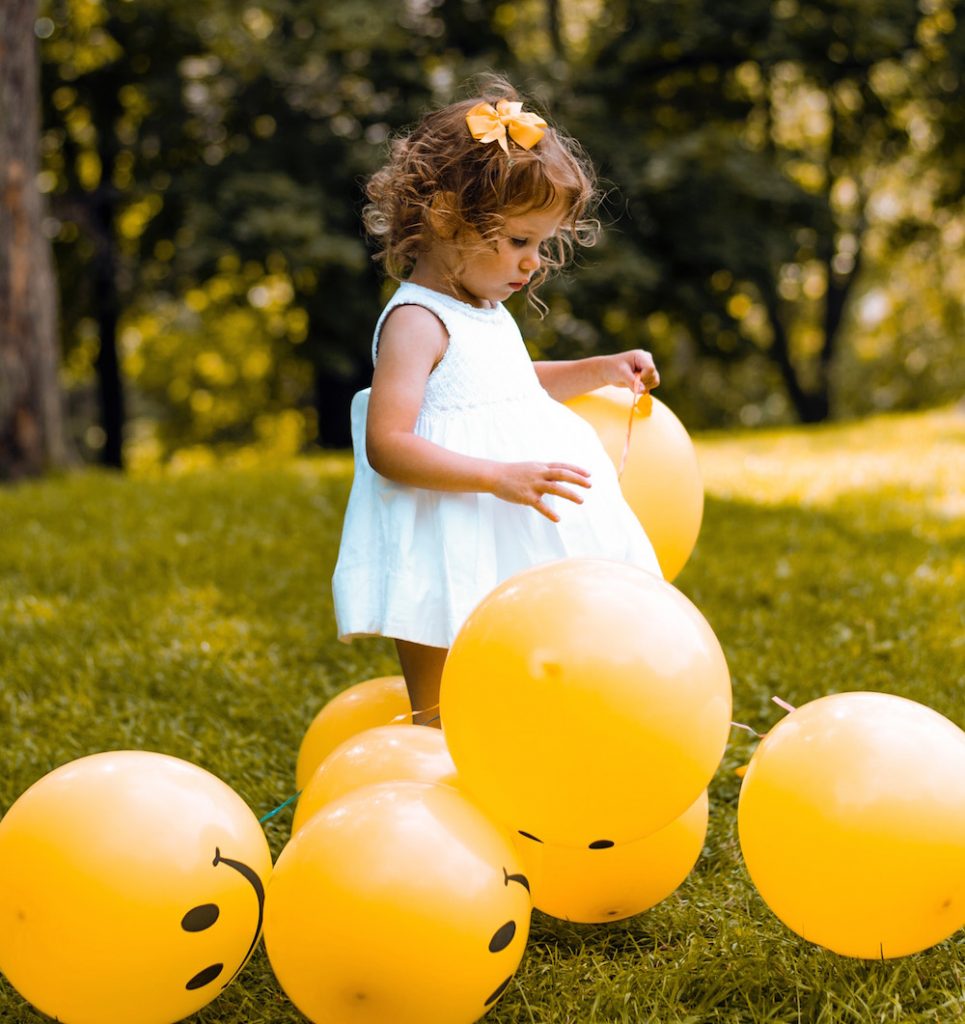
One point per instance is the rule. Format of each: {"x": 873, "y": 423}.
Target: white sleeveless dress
{"x": 413, "y": 562}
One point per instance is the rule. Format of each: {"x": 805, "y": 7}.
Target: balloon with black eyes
{"x": 401, "y": 902}
{"x": 586, "y": 702}
{"x": 131, "y": 889}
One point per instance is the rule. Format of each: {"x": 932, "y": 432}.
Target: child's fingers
{"x": 569, "y": 473}
{"x": 563, "y": 492}
{"x": 545, "y": 511}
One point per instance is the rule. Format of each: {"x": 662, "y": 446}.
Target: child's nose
{"x": 530, "y": 261}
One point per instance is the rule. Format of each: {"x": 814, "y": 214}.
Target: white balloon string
{"x": 407, "y": 716}
{"x": 783, "y": 704}
{"x": 747, "y": 728}
{"x": 633, "y": 408}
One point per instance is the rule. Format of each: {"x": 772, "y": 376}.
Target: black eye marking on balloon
{"x": 204, "y": 977}
{"x": 255, "y": 882}
{"x": 502, "y": 937}
{"x": 499, "y": 991}
{"x": 197, "y": 919}
{"x": 601, "y": 844}
{"x": 522, "y": 879}
{"x": 527, "y": 835}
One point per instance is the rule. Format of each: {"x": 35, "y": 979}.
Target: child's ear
{"x": 442, "y": 216}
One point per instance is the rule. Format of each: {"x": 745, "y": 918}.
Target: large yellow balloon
{"x": 661, "y": 479}
{"x": 585, "y": 700}
{"x": 132, "y": 889}
{"x": 388, "y": 753}
{"x": 399, "y": 902}
{"x": 363, "y": 706}
{"x": 852, "y": 824}
{"x": 618, "y": 881}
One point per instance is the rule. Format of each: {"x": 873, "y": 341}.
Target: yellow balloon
{"x": 388, "y": 753}
{"x": 852, "y": 824}
{"x": 133, "y": 889}
{"x": 397, "y": 902}
{"x": 661, "y": 479}
{"x": 585, "y": 700}
{"x": 609, "y": 884}
{"x": 381, "y": 701}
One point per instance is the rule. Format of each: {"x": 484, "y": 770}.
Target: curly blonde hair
{"x": 440, "y": 184}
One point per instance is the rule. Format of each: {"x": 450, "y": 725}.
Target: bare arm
{"x": 412, "y": 342}
{"x": 567, "y": 378}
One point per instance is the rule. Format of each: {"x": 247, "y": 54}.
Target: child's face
{"x": 493, "y": 276}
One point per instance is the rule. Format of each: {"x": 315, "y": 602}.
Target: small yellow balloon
{"x": 133, "y": 889}
{"x": 852, "y": 824}
{"x": 609, "y": 884}
{"x": 388, "y": 753}
{"x": 585, "y": 700}
{"x": 399, "y": 902}
{"x": 381, "y": 701}
{"x": 661, "y": 478}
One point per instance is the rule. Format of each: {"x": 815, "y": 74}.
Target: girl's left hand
{"x": 624, "y": 369}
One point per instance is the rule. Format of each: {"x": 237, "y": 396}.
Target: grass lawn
{"x": 192, "y": 615}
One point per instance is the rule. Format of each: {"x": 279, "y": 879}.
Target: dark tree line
{"x": 743, "y": 143}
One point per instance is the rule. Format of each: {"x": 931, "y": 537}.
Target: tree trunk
{"x": 31, "y": 406}
{"x": 810, "y": 406}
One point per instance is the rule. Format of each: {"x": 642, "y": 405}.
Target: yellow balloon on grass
{"x": 585, "y": 701}
{"x": 661, "y": 478}
{"x": 388, "y": 753}
{"x": 615, "y": 882}
{"x": 398, "y": 902}
{"x": 364, "y": 705}
{"x": 132, "y": 889}
{"x": 852, "y": 824}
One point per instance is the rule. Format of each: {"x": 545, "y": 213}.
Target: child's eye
{"x": 520, "y": 243}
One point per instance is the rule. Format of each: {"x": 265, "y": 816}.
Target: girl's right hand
{"x": 526, "y": 483}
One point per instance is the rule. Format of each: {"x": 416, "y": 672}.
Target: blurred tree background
{"x": 785, "y": 215}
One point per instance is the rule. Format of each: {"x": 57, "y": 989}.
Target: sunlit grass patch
{"x": 915, "y": 458}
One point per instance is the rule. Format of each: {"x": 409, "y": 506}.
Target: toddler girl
{"x": 468, "y": 468}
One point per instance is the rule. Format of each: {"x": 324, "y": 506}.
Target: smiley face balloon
{"x": 132, "y": 889}
{"x": 399, "y": 902}
{"x": 585, "y": 702}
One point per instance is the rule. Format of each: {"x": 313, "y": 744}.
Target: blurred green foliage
{"x": 785, "y": 206}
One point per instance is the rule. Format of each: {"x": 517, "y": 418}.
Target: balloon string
{"x": 407, "y": 716}
{"x": 753, "y": 732}
{"x": 633, "y": 408}
{"x": 280, "y": 807}
{"x": 783, "y": 704}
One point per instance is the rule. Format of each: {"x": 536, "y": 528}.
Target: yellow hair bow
{"x": 489, "y": 124}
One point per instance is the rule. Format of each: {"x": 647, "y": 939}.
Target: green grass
{"x": 192, "y": 615}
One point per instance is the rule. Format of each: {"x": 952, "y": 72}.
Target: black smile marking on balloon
{"x": 204, "y": 977}
{"x": 502, "y": 937}
{"x": 197, "y": 919}
{"x": 528, "y": 835}
{"x": 499, "y": 991}
{"x": 522, "y": 879}
{"x": 255, "y": 882}
{"x": 601, "y": 844}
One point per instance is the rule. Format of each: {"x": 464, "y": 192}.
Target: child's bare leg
{"x": 422, "y": 668}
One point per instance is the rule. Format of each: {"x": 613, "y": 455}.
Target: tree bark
{"x": 31, "y": 406}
